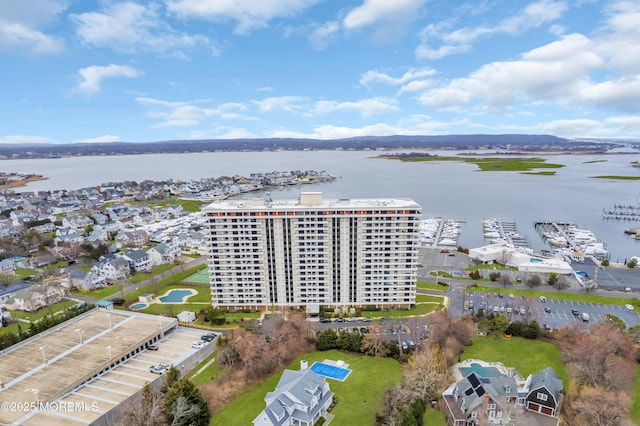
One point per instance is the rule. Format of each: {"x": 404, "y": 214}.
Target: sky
{"x": 140, "y": 71}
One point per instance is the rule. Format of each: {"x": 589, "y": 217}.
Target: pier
{"x": 436, "y": 232}
{"x": 497, "y": 231}
{"x": 621, "y": 211}
{"x": 566, "y": 235}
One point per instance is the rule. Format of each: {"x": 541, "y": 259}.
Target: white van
{"x": 543, "y": 299}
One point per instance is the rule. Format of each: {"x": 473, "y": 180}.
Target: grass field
{"x": 434, "y": 417}
{"x": 431, "y": 285}
{"x": 526, "y": 356}
{"x": 207, "y": 371}
{"x": 43, "y": 312}
{"x": 617, "y": 177}
{"x": 157, "y": 270}
{"x": 358, "y": 396}
{"x": 635, "y": 402}
{"x": 495, "y": 164}
{"x": 200, "y": 277}
{"x": 100, "y": 293}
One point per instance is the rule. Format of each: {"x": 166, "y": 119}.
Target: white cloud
{"x": 265, "y": 89}
{"x": 373, "y": 76}
{"x": 628, "y": 123}
{"x": 100, "y": 139}
{"x": 92, "y": 76}
{"x": 374, "y": 11}
{"x": 21, "y": 22}
{"x": 461, "y": 40}
{"x": 322, "y": 34}
{"x": 184, "y": 114}
{"x": 555, "y": 72}
{"x": 15, "y": 37}
{"x": 366, "y": 107}
{"x": 249, "y": 14}
{"x": 580, "y": 127}
{"x": 130, "y": 27}
{"x": 281, "y": 103}
{"x": 621, "y": 41}
{"x": 24, "y": 139}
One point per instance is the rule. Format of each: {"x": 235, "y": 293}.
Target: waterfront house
{"x": 86, "y": 281}
{"x": 300, "y": 398}
{"x": 113, "y": 269}
{"x": 35, "y": 297}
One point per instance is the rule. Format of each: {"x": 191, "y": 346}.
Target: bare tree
{"x": 375, "y": 344}
{"x": 148, "y": 411}
{"x": 599, "y": 406}
{"x": 505, "y": 280}
{"x": 427, "y": 372}
{"x": 533, "y": 281}
{"x": 562, "y": 284}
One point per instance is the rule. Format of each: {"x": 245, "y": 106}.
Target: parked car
{"x": 575, "y": 312}
{"x": 325, "y": 320}
{"x": 547, "y": 309}
{"x": 152, "y": 347}
{"x": 198, "y": 345}
{"x": 543, "y": 299}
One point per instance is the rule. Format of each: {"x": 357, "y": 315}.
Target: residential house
{"x": 544, "y": 392}
{"x": 35, "y": 297}
{"x": 66, "y": 207}
{"x": 492, "y": 398}
{"x": 8, "y": 267}
{"x": 133, "y": 238}
{"x": 163, "y": 254}
{"x": 301, "y": 398}
{"x": 67, "y": 235}
{"x": 86, "y": 281}
{"x": 8, "y": 292}
{"x": 76, "y": 221}
{"x": 478, "y": 400}
{"x": 139, "y": 260}
{"x": 113, "y": 269}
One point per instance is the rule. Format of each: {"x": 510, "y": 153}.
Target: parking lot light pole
{"x": 109, "y": 349}
{"x": 80, "y": 335}
{"x": 44, "y": 357}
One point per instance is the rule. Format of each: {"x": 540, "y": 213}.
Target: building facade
{"x": 311, "y": 252}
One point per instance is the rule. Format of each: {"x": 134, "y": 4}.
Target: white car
{"x": 629, "y": 307}
{"x": 198, "y": 345}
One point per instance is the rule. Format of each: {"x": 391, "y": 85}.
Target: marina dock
{"x": 621, "y": 211}
{"x": 497, "y": 231}
{"x": 435, "y": 232}
{"x": 571, "y": 240}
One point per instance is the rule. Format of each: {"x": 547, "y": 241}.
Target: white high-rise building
{"x": 312, "y": 252}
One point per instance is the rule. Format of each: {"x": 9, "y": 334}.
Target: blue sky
{"x": 105, "y": 71}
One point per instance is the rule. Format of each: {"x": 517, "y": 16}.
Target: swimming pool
{"x": 139, "y": 305}
{"x": 330, "y": 371}
{"x": 535, "y": 260}
{"x": 176, "y": 296}
{"x": 480, "y": 370}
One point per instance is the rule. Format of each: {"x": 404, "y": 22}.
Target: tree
{"x": 605, "y": 262}
{"x": 326, "y": 340}
{"x": 170, "y": 379}
{"x": 533, "y": 281}
{"x": 375, "y": 345}
{"x": 493, "y": 276}
{"x": 562, "y": 284}
{"x": 505, "y": 280}
{"x": 427, "y": 372}
{"x": 146, "y": 412}
{"x": 185, "y": 406}
{"x": 632, "y": 263}
{"x": 597, "y": 405}
{"x": 552, "y": 279}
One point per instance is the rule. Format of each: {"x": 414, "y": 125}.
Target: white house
{"x": 163, "y": 254}
{"x": 35, "y": 297}
{"x": 301, "y": 398}
{"x": 139, "y": 260}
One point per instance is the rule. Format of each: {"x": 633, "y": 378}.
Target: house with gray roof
{"x": 544, "y": 392}
{"x": 301, "y": 398}
{"x": 493, "y": 398}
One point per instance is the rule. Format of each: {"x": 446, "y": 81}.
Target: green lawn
{"x": 190, "y": 206}
{"x": 160, "y": 286}
{"x": 635, "y": 402}
{"x": 526, "y": 356}
{"x": 209, "y": 374}
{"x": 433, "y": 417}
{"x": 617, "y": 177}
{"x": 43, "y": 312}
{"x": 431, "y": 285}
{"x": 22, "y": 272}
{"x": 551, "y": 293}
{"x": 157, "y": 270}
{"x": 101, "y": 293}
{"x": 419, "y": 310}
{"x": 422, "y": 298}
{"x": 358, "y": 396}
{"x": 13, "y": 328}
{"x": 539, "y": 173}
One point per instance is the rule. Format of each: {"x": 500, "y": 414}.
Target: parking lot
{"x": 553, "y": 313}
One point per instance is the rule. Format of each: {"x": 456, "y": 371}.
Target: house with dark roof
{"x": 496, "y": 398}
{"x": 301, "y": 398}
{"x": 544, "y": 392}
{"x": 139, "y": 260}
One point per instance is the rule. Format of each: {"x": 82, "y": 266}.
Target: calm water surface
{"x": 446, "y": 189}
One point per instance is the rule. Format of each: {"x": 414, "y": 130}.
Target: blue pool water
{"x": 139, "y": 305}
{"x": 535, "y": 260}
{"x": 330, "y": 371}
{"x": 175, "y": 296}
{"x": 480, "y": 370}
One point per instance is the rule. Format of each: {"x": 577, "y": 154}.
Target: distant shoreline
{"x": 23, "y": 181}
